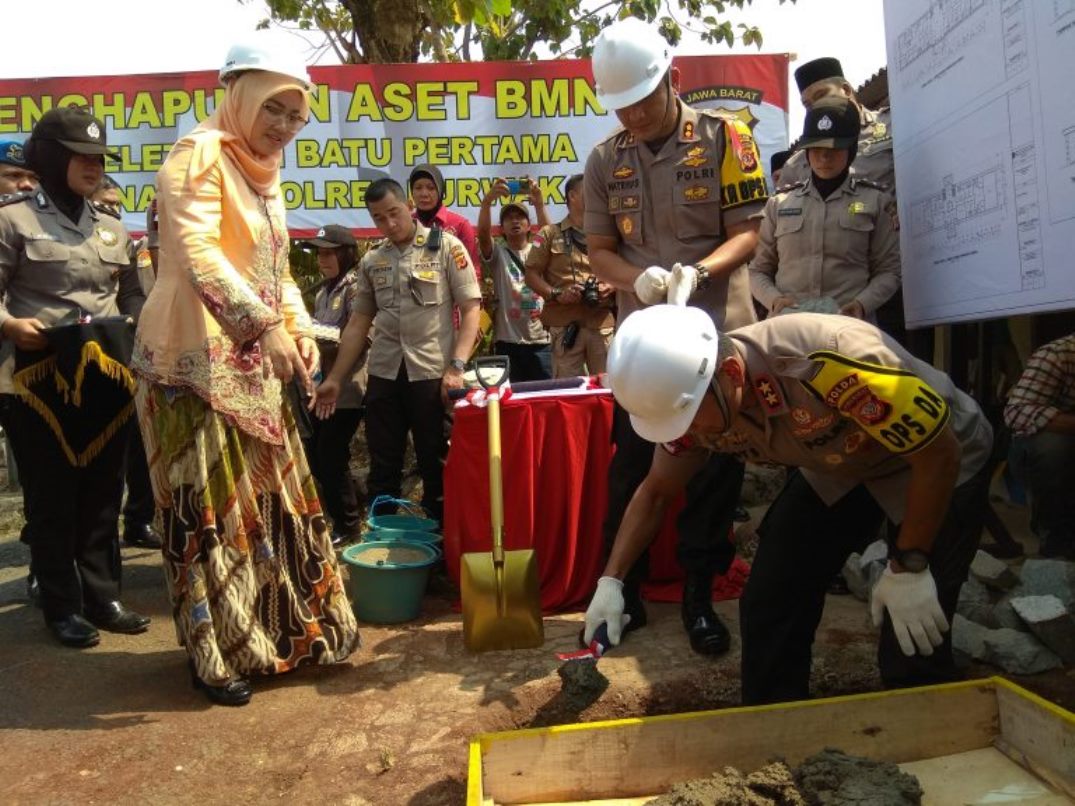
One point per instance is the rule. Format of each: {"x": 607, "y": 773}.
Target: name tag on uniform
{"x": 789, "y": 211}
{"x": 380, "y": 281}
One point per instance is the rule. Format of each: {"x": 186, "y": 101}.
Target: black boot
{"x": 707, "y": 632}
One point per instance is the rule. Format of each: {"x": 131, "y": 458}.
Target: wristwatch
{"x": 913, "y": 560}
{"x": 457, "y": 364}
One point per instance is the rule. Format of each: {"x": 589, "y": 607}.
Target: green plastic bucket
{"x": 387, "y": 579}
{"x": 408, "y": 536}
{"x": 412, "y": 518}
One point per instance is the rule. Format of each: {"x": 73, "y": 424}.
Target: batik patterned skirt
{"x": 254, "y": 582}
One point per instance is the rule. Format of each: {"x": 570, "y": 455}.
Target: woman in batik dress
{"x": 254, "y": 582}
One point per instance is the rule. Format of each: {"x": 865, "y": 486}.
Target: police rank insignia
{"x": 768, "y": 394}
{"x": 627, "y": 226}
{"x": 106, "y": 236}
{"x": 624, "y": 172}
{"x": 696, "y": 193}
{"x": 688, "y": 130}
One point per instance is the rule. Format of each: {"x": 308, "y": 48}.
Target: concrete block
{"x": 1043, "y": 577}
{"x": 1012, "y": 651}
{"x": 1005, "y": 616}
{"x": 976, "y": 604}
{"x": 992, "y": 572}
{"x": 1050, "y": 621}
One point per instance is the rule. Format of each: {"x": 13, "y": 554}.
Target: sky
{"x": 112, "y": 37}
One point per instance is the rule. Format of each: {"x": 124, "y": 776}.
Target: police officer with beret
{"x": 328, "y": 448}
{"x": 61, "y": 259}
{"x": 831, "y": 237}
{"x": 15, "y": 176}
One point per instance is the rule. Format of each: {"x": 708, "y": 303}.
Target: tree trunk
{"x": 388, "y": 30}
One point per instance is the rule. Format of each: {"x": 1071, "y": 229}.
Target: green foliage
{"x": 361, "y": 31}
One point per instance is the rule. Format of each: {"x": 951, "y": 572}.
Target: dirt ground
{"x": 119, "y": 723}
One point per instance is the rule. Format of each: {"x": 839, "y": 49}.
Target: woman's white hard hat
{"x": 269, "y": 50}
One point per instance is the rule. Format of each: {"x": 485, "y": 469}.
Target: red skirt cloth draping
{"x": 556, "y": 451}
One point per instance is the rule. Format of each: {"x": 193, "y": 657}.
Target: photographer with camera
{"x": 579, "y": 309}
{"x": 517, "y": 329}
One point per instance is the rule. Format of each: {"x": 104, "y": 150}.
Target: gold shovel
{"x": 501, "y": 595}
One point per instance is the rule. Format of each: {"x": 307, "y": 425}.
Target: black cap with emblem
{"x": 332, "y": 236}
{"x": 76, "y": 128}
{"x": 831, "y": 123}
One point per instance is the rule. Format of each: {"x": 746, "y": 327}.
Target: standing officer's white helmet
{"x": 629, "y": 60}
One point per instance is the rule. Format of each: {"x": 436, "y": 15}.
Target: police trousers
{"x": 803, "y": 544}
{"x": 72, "y": 516}
{"x": 394, "y": 408}
{"x": 704, "y": 546}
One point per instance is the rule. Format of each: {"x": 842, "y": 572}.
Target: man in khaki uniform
{"x": 832, "y": 236}
{"x": 871, "y": 431}
{"x": 578, "y": 307}
{"x": 406, "y": 289}
{"x": 670, "y": 199}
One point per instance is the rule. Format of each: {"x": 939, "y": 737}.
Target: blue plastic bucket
{"x": 412, "y": 518}
{"x": 387, "y": 579}
{"x": 408, "y": 536}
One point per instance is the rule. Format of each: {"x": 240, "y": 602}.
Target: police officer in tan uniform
{"x": 670, "y": 199}
{"x": 832, "y": 236}
{"x": 578, "y": 307}
{"x": 871, "y": 431}
{"x": 406, "y": 289}
{"x": 59, "y": 256}
{"x": 328, "y": 448}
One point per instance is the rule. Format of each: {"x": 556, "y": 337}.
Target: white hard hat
{"x": 659, "y": 367}
{"x": 629, "y": 60}
{"x": 266, "y": 50}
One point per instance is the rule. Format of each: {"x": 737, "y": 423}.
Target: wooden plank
{"x": 638, "y": 757}
{"x": 980, "y": 776}
{"x": 1038, "y": 734}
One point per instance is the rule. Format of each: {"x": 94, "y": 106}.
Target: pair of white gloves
{"x": 910, "y": 597}
{"x": 656, "y": 285}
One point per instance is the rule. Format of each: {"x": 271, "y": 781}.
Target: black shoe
{"x": 235, "y": 692}
{"x": 707, "y": 633}
{"x": 141, "y": 535}
{"x": 114, "y": 617}
{"x": 33, "y": 590}
{"x": 74, "y": 631}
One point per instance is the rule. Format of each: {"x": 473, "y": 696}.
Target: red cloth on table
{"x": 556, "y": 450}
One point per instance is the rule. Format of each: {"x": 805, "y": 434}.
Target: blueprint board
{"x": 983, "y": 109}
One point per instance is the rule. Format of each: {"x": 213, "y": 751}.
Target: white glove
{"x": 913, "y": 606}
{"x": 606, "y": 606}
{"x": 683, "y": 283}
{"x": 651, "y": 286}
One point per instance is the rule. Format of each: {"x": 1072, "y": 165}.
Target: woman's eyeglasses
{"x": 278, "y": 114}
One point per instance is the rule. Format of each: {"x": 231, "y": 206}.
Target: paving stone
{"x": 976, "y": 604}
{"x": 1050, "y": 621}
{"x": 992, "y": 572}
{"x": 1013, "y": 651}
{"x": 1043, "y": 577}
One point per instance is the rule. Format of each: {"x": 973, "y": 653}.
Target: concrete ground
{"x": 119, "y": 723}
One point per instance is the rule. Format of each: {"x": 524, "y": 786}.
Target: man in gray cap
{"x": 15, "y": 176}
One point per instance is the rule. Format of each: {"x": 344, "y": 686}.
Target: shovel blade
{"x": 504, "y": 616}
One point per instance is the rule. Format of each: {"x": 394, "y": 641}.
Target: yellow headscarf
{"x": 230, "y": 127}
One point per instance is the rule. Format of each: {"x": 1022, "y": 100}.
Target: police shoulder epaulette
{"x": 104, "y": 208}
{"x": 434, "y": 239}
{"x": 15, "y": 198}
{"x": 790, "y": 187}
{"x": 870, "y": 183}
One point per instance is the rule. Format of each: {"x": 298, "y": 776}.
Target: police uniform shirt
{"x": 410, "y": 293}
{"x": 839, "y": 399}
{"x": 516, "y": 319}
{"x": 873, "y": 160}
{"x": 332, "y": 308}
{"x": 845, "y": 247}
{"x": 50, "y": 266}
{"x": 556, "y": 253}
{"x": 675, "y": 206}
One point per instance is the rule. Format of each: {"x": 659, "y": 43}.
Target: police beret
{"x": 333, "y": 236}
{"x": 831, "y": 123}
{"x": 74, "y": 127}
{"x": 777, "y": 160}
{"x": 11, "y": 153}
{"x": 818, "y": 70}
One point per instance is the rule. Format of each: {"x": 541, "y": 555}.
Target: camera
{"x": 590, "y": 295}
{"x": 517, "y": 186}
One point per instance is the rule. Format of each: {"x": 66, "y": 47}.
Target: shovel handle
{"x": 493, "y": 362}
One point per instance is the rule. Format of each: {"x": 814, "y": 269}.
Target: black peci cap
{"x": 831, "y": 123}
{"x": 777, "y": 160}
{"x": 74, "y": 127}
{"x": 818, "y": 70}
{"x": 333, "y": 236}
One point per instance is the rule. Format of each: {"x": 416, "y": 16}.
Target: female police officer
{"x": 60, "y": 259}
